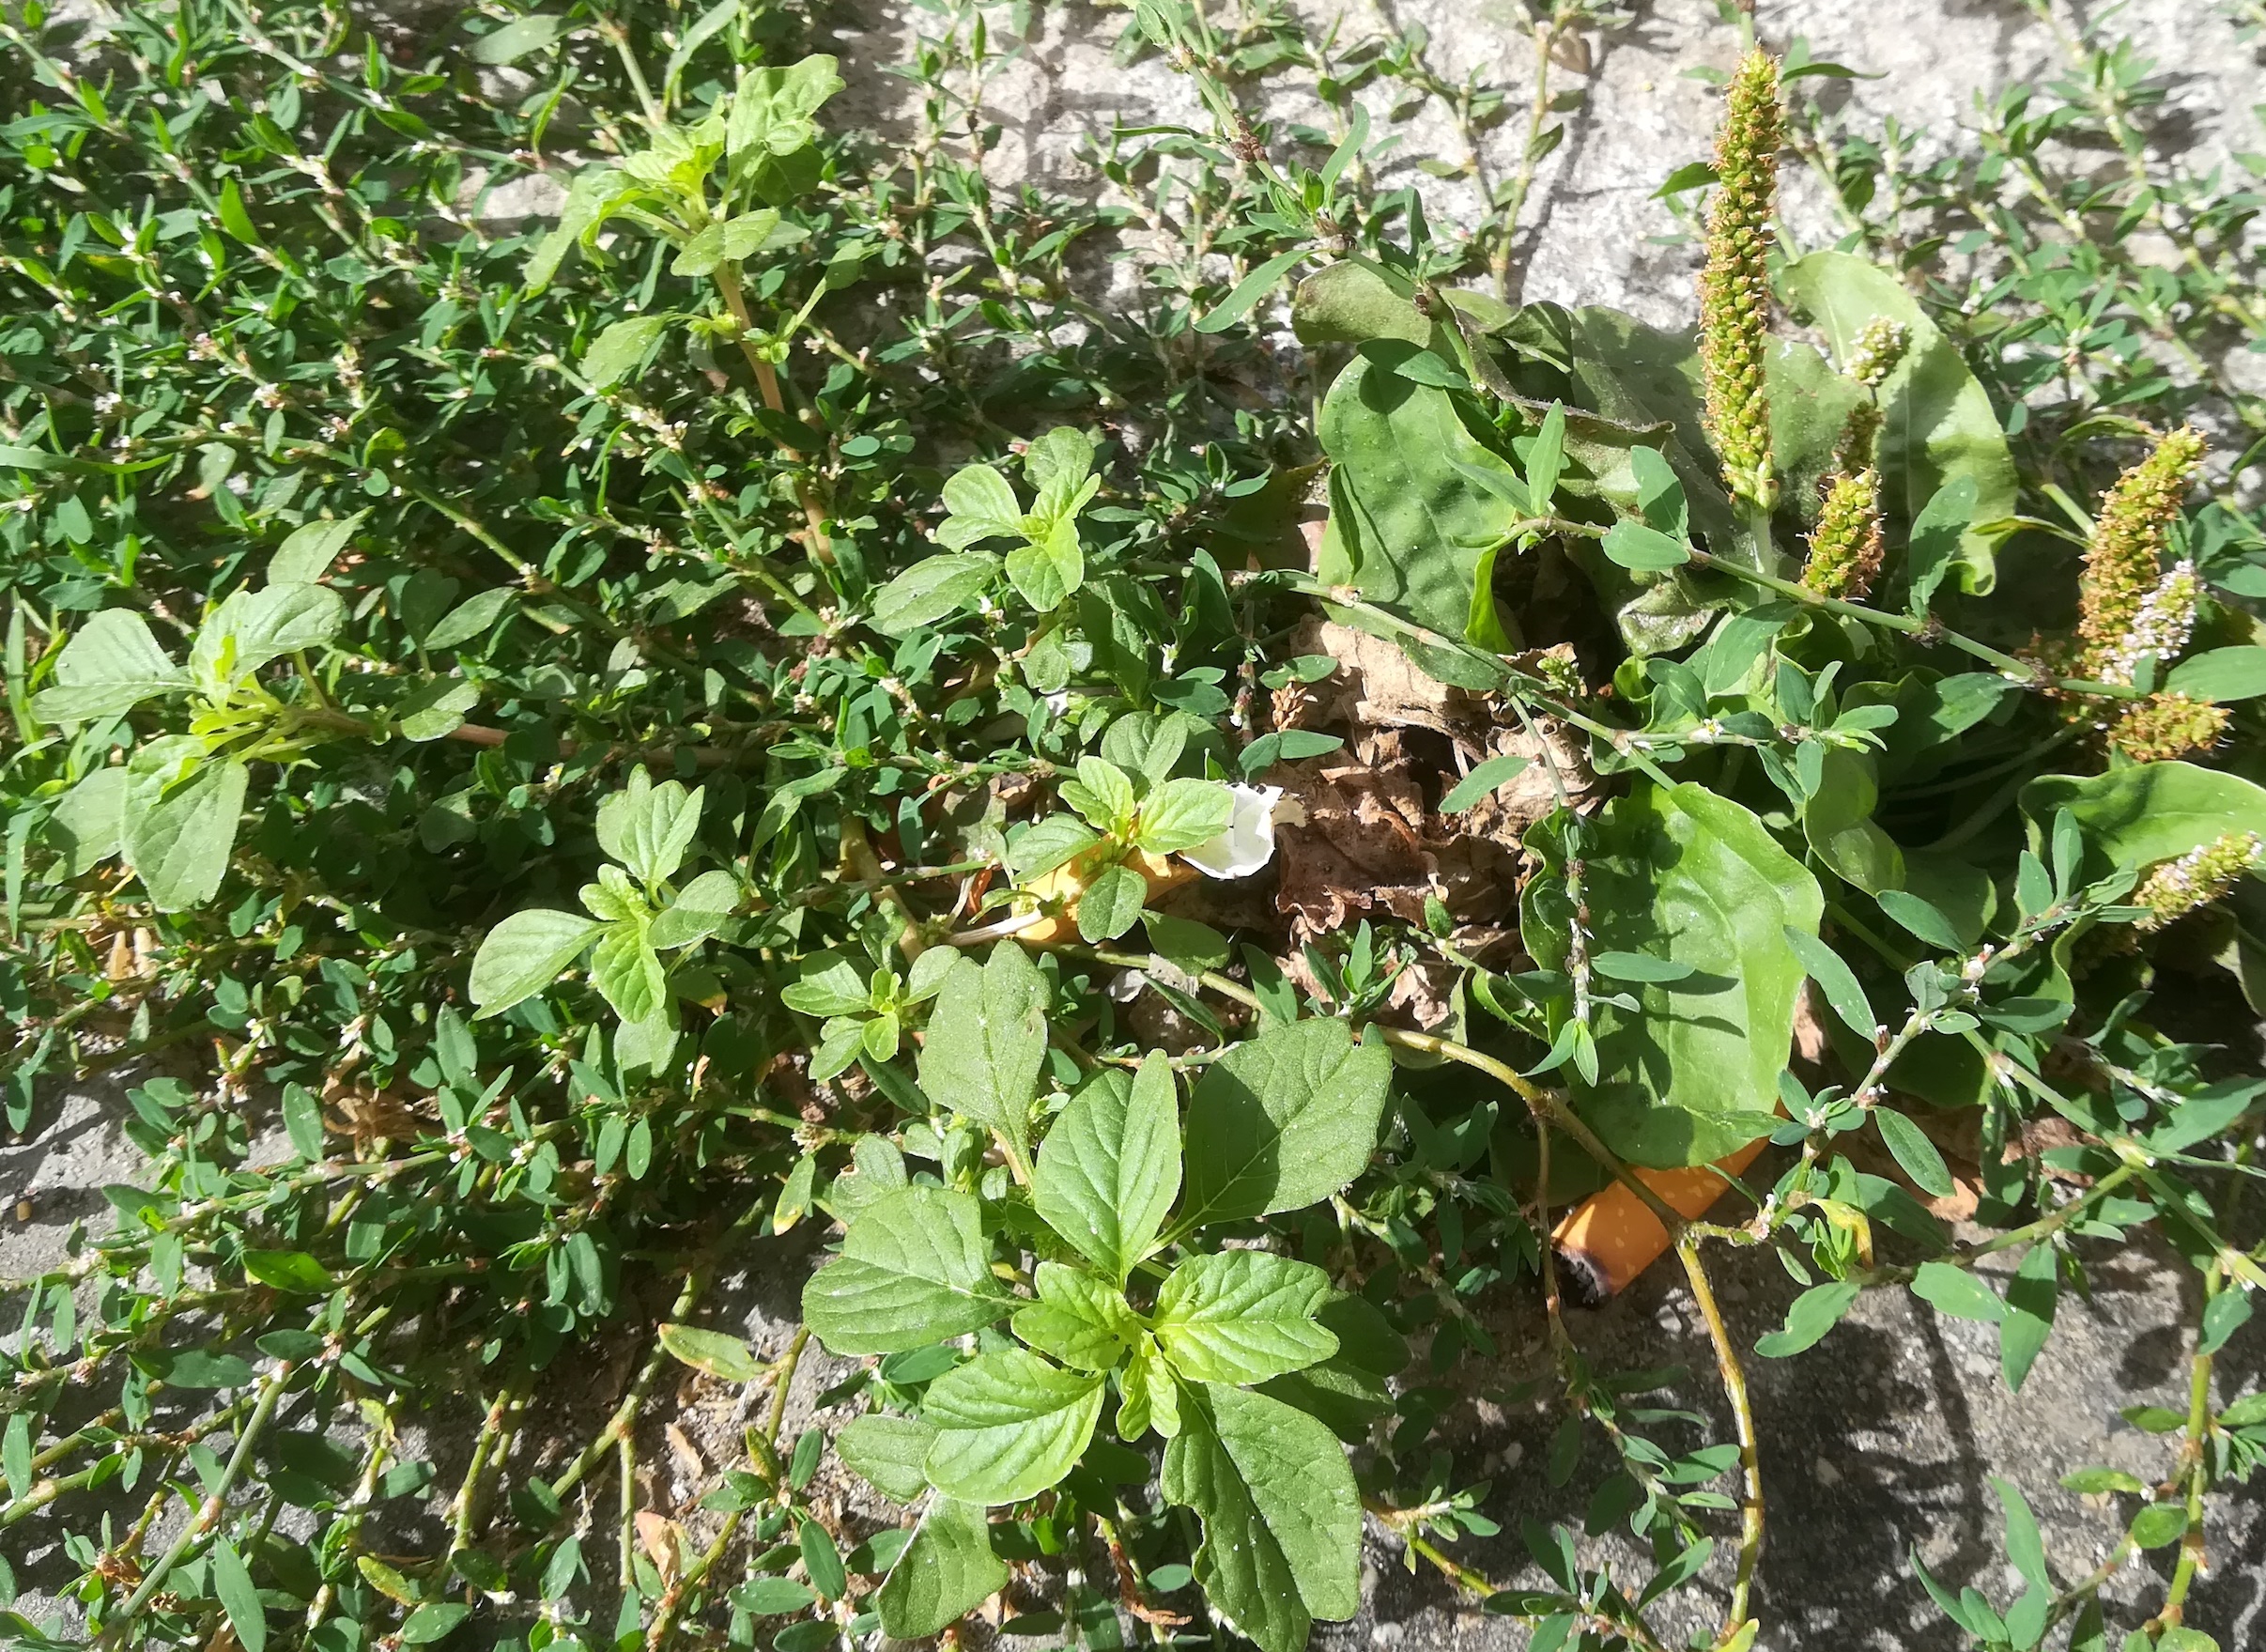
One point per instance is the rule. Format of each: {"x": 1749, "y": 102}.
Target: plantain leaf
{"x": 1689, "y": 876}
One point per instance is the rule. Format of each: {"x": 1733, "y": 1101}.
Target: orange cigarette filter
{"x": 1611, "y": 1237}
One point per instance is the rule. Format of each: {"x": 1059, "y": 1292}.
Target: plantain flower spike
{"x": 2165, "y": 726}
{"x": 1880, "y": 349}
{"x": 1860, "y": 438}
{"x": 2128, "y": 605}
{"x": 2186, "y": 884}
{"x": 1845, "y": 548}
{"x": 1734, "y": 286}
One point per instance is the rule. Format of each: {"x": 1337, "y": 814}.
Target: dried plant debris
{"x": 1368, "y": 837}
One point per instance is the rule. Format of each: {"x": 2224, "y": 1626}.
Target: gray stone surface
{"x": 1592, "y": 227}
{"x": 1878, "y": 1441}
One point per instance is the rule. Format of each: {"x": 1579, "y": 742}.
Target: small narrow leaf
{"x": 1483, "y": 781}
{"x": 1914, "y": 1151}
{"x": 1836, "y": 980}
{"x": 1250, "y": 290}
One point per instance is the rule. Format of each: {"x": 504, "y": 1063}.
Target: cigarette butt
{"x": 1611, "y": 1237}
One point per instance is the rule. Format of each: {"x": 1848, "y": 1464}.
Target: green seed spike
{"x": 1735, "y": 288}
{"x": 1846, "y": 548}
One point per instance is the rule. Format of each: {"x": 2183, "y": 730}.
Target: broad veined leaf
{"x": 700, "y": 908}
{"x": 1009, "y": 1426}
{"x": 648, "y": 827}
{"x": 1111, "y": 904}
{"x": 829, "y": 984}
{"x": 1352, "y": 301}
{"x": 736, "y": 239}
{"x": 1079, "y": 1320}
{"x": 621, "y": 349}
{"x": 1350, "y": 1390}
{"x": 987, "y": 1041}
{"x": 1695, "y": 878}
{"x": 2221, "y": 674}
{"x": 1060, "y": 464}
{"x": 1110, "y": 1168}
{"x": 982, "y": 506}
{"x": 1149, "y": 1393}
{"x": 1647, "y": 382}
{"x": 1242, "y": 1317}
{"x": 308, "y": 552}
{"x": 1050, "y": 842}
{"x": 1281, "y": 1513}
{"x": 594, "y": 193}
{"x": 914, "y": 1270}
{"x": 1185, "y": 814}
{"x": 111, "y": 664}
{"x": 627, "y": 973}
{"x": 254, "y": 627}
{"x": 1809, "y": 407}
{"x": 2134, "y": 817}
{"x": 887, "y": 1452}
{"x": 1940, "y": 425}
{"x": 772, "y": 107}
{"x": 525, "y": 953}
{"x": 946, "y": 1570}
{"x": 88, "y": 822}
{"x": 1837, "y": 821}
{"x": 645, "y": 1045}
{"x": 1281, "y": 1120}
{"x": 178, "y": 822}
{"x": 931, "y": 589}
{"x": 1046, "y": 570}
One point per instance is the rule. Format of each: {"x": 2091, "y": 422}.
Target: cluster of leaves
{"x": 516, "y": 561}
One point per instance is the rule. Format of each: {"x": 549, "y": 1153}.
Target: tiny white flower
{"x": 1127, "y": 985}
{"x": 1248, "y": 843}
{"x": 1058, "y": 701}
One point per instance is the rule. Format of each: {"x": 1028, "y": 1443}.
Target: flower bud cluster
{"x": 2123, "y": 578}
{"x": 2196, "y": 879}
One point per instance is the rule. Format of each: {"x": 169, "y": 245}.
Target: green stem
{"x": 696, "y": 1284}
{"x": 1522, "y": 181}
{"x": 1733, "y": 1375}
{"x": 271, "y": 1391}
{"x": 2198, "y": 1452}
{"x": 1926, "y": 629}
